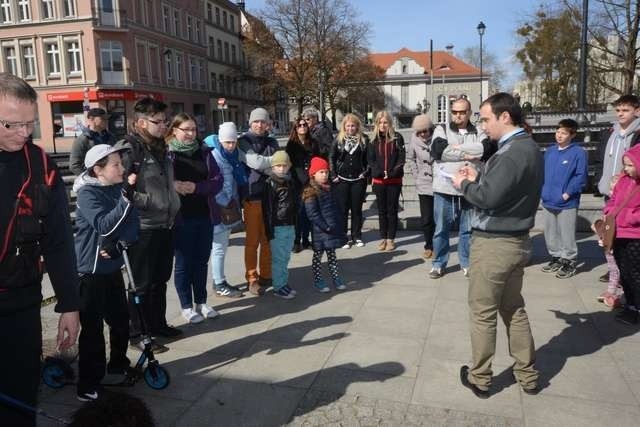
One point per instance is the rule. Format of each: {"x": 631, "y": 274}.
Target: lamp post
{"x": 442, "y": 69}
{"x": 481, "y": 27}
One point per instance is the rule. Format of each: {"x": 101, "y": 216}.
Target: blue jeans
{"x": 192, "y": 247}
{"x": 221, "y": 233}
{"x": 447, "y": 209}
{"x": 281, "y": 245}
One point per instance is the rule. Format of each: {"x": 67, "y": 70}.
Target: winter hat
{"x": 317, "y": 164}
{"x": 227, "y": 132}
{"x": 421, "y": 122}
{"x": 280, "y": 157}
{"x": 633, "y": 154}
{"x": 259, "y": 114}
{"x": 99, "y": 152}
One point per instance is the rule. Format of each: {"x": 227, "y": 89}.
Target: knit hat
{"x": 318, "y": 164}
{"x": 280, "y": 157}
{"x": 259, "y": 114}
{"x": 633, "y": 154}
{"x": 227, "y": 132}
{"x": 99, "y": 152}
{"x": 421, "y": 122}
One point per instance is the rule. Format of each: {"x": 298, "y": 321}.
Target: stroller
{"x": 57, "y": 371}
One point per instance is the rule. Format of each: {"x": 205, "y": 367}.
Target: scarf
{"x": 351, "y": 143}
{"x": 233, "y": 158}
{"x": 187, "y": 148}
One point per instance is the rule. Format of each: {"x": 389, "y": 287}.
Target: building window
{"x": 212, "y": 47}
{"x": 190, "y": 36}
{"x": 154, "y": 63}
{"x": 53, "y": 58}
{"x": 226, "y": 51}
{"x": 176, "y": 22}
{"x": 442, "y": 109}
{"x": 29, "y": 62}
{"x": 217, "y": 15}
{"x": 168, "y": 65}
{"x": 198, "y": 31}
{"x": 224, "y": 19}
{"x": 234, "y": 57}
{"x": 212, "y": 77}
{"x": 24, "y": 13}
{"x": 5, "y": 11}
{"x": 202, "y": 77}
{"x": 219, "y": 43}
{"x": 143, "y": 65}
{"x": 209, "y": 12}
{"x": 11, "y": 61}
{"x": 47, "y": 9}
{"x": 233, "y": 22}
{"x": 111, "y": 62}
{"x": 68, "y": 8}
{"x": 193, "y": 72}
{"x": 166, "y": 19}
{"x": 179, "y": 73}
{"x": 221, "y": 84}
{"x": 73, "y": 57}
{"x": 150, "y": 15}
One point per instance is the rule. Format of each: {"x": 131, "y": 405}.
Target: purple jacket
{"x": 210, "y": 186}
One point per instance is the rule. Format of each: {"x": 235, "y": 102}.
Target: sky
{"x": 411, "y": 23}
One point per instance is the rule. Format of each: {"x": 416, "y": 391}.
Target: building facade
{"x": 413, "y": 85}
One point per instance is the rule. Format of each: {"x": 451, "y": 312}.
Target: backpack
{"x": 20, "y": 251}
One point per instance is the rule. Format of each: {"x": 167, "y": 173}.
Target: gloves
{"x": 114, "y": 249}
{"x": 128, "y": 191}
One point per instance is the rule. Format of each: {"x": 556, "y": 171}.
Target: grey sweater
{"x": 508, "y": 193}
{"x": 612, "y": 161}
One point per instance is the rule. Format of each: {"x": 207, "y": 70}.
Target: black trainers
{"x": 436, "y": 272}
{"x": 225, "y": 290}
{"x": 88, "y": 396}
{"x": 168, "y": 331}
{"x": 567, "y": 270}
{"x": 155, "y": 347}
{"x": 464, "y": 373}
{"x": 627, "y": 317}
{"x": 297, "y": 248}
{"x": 554, "y": 265}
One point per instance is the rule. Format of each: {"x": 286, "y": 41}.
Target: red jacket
{"x": 628, "y": 219}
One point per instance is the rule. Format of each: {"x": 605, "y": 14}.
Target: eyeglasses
{"x": 159, "y": 122}
{"x": 303, "y": 125}
{"x": 455, "y": 112}
{"x": 15, "y": 126}
{"x": 188, "y": 130}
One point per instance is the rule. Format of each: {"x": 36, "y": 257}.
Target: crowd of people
{"x": 171, "y": 199}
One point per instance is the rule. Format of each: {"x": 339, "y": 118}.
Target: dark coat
{"x": 392, "y": 161}
{"x": 280, "y": 201}
{"x": 348, "y": 165}
{"x": 300, "y": 156}
{"x": 326, "y": 219}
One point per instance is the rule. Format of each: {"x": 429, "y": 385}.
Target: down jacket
{"x": 326, "y": 219}
{"x": 628, "y": 219}
{"x": 280, "y": 201}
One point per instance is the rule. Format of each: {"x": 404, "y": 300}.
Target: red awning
{"x": 103, "y": 95}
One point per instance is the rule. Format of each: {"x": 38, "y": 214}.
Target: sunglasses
{"x": 159, "y": 122}
{"x": 303, "y": 125}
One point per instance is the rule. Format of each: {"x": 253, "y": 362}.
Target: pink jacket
{"x": 628, "y": 219}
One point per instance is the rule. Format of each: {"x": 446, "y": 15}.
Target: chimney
{"x": 240, "y": 5}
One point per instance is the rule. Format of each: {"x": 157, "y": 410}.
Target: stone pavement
{"x": 388, "y": 350}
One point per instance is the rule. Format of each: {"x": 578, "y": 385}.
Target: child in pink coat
{"x": 626, "y": 247}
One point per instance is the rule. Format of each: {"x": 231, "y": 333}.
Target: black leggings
{"x": 387, "y": 197}
{"x": 426, "y": 219}
{"x": 350, "y": 197}
{"x": 627, "y": 253}
{"x": 316, "y": 264}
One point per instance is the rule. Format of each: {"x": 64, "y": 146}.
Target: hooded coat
{"x": 628, "y": 218}
{"x": 611, "y": 158}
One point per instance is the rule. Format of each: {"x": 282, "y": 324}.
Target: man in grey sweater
{"x": 506, "y": 197}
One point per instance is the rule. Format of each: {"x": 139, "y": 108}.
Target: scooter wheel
{"x": 156, "y": 377}
{"x": 53, "y": 375}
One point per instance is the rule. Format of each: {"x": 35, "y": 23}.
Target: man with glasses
{"x": 34, "y": 225}
{"x": 158, "y": 203}
{"x": 452, "y": 147}
{"x": 319, "y": 131}
{"x": 256, "y": 143}
{"x": 93, "y": 134}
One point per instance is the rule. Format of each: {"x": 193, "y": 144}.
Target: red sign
{"x": 102, "y": 95}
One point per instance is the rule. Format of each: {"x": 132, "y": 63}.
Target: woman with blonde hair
{"x": 349, "y": 171}
{"x": 386, "y": 157}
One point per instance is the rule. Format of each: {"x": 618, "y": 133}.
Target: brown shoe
{"x": 391, "y": 245}
{"x": 256, "y": 289}
{"x": 427, "y": 254}
{"x": 382, "y": 245}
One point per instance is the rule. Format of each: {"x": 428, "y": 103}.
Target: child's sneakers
{"x": 568, "y": 269}
{"x": 192, "y": 316}
{"x": 613, "y": 301}
{"x": 284, "y": 292}
{"x": 339, "y": 284}
{"x": 291, "y": 290}
{"x": 206, "y": 311}
{"x": 321, "y": 286}
{"x": 554, "y": 265}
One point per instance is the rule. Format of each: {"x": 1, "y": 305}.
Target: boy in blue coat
{"x": 565, "y": 175}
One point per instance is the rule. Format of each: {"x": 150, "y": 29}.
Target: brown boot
{"x": 256, "y": 289}
{"x": 382, "y": 245}
{"x": 427, "y": 254}
{"x": 391, "y": 245}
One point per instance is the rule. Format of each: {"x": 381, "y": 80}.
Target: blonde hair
{"x": 391, "y": 133}
{"x": 353, "y": 119}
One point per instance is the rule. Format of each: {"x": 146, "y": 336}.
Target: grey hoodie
{"x": 420, "y": 162}
{"x": 616, "y": 146}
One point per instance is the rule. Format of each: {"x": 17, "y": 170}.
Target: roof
{"x": 440, "y": 58}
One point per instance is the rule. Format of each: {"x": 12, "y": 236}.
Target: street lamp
{"x": 481, "y": 27}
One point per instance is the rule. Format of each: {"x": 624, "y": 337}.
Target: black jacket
{"x": 300, "y": 156}
{"x": 391, "y": 160}
{"x": 347, "y": 165}
{"x": 280, "y": 201}
{"x": 324, "y": 136}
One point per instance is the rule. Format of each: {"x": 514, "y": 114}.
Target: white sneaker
{"x": 347, "y": 245}
{"x": 207, "y": 312}
{"x": 359, "y": 243}
{"x": 465, "y": 271}
{"x": 191, "y": 315}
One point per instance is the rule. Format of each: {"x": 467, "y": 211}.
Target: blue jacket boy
{"x": 565, "y": 172}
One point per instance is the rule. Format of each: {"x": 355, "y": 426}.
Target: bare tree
{"x": 490, "y": 65}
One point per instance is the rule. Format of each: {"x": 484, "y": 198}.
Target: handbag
{"x": 230, "y": 214}
{"x": 606, "y": 226}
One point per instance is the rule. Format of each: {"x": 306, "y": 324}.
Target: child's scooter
{"x": 56, "y": 372}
